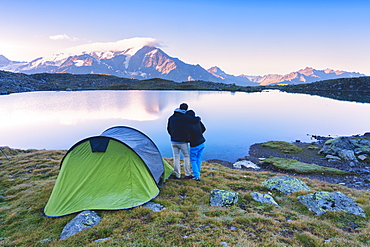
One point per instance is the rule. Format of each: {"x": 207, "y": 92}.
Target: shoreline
{"x": 356, "y": 179}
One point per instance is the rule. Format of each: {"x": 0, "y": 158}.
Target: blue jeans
{"x": 196, "y": 159}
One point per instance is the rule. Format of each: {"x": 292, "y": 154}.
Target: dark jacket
{"x": 196, "y": 131}
{"x": 177, "y": 125}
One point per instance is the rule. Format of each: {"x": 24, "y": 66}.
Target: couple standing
{"x": 183, "y": 127}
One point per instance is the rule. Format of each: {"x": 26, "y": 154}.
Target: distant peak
{"x": 215, "y": 69}
{"x": 306, "y": 69}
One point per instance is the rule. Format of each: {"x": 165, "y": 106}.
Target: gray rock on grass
{"x": 155, "y": 207}
{"x": 246, "y": 164}
{"x": 322, "y": 202}
{"x": 82, "y": 221}
{"x": 264, "y": 198}
{"x": 223, "y": 198}
{"x": 285, "y": 184}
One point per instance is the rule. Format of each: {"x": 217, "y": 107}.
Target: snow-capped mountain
{"x": 306, "y": 75}
{"x": 145, "y": 63}
{"x": 238, "y": 80}
{"x": 6, "y": 64}
{"x": 148, "y": 62}
{"x": 4, "y": 61}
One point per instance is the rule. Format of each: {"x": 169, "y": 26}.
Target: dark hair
{"x": 184, "y": 106}
{"x": 191, "y": 113}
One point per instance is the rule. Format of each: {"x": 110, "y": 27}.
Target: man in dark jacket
{"x": 197, "y": 141}
{"x": 177, "y": 128}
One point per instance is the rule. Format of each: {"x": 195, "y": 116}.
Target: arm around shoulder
{"x": 202, "y": 127}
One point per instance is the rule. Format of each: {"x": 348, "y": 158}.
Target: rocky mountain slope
{"x": 149, "y": 62}
{"x": 145, "y": 63}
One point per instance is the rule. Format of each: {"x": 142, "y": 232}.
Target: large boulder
{"x": 358, "y": 144}
{"x": 322, "y": 202}
{"x": 347, "y": 155}
{"x": 285, "y": 184}
{"x": 82, "y": 221}
{"x": 223, "y": 198}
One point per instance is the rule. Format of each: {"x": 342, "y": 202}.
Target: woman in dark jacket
{"x": 197, "y": 141}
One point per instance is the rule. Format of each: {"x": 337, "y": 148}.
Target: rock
{"x": 358, "y": 144}
{"x": 363, "y": 171}
{"x": 246, "y": 164}
{"x": 332, "y": 157}
{"x": 333, "y": 146}
{"x": 362, "y": 145}
{"x": 45, "y": 240}
{"x": 82, "y": 221}
{"x": 367, "y": 180}
{"x": 362, "y": 157}
{"x": 223, "y": 198}
{"x": 322, "y": 202}
{"x": 155, "y": 207}
{"x": 285, "y": 184}
{"x": 264, "y": 198}
{"x": 101, "y": 240}
{"x": 347, "y": 155}
{"x": 313, "y": 148}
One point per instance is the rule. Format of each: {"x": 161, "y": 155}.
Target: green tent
{"x": 122, "y": 168}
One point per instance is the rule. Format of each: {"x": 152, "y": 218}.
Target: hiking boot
{"x": 197, "y": 179}
{"x": 189, "y": 177}
{"x": 173, "y": 177}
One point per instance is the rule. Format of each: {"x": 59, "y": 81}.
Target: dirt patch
{"x": 360, "y": 171}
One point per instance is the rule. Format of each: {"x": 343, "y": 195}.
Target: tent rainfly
{"x": 122, "y": 168}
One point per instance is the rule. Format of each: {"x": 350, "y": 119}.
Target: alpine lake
{"x": 234, "y": 120}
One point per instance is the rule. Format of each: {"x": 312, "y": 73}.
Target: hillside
{"x": 349, "y": 89}
{"x": 18, "y": 82}
{"x": 27, "y": 178}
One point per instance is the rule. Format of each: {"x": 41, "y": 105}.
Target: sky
{"x": 240, "y": 37}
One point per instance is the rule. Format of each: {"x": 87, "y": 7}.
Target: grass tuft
{"x": 284, "y": 147}
{"x": 300, "y": 167}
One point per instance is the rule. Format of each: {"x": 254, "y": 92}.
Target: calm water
{"x": 234, "y": 121}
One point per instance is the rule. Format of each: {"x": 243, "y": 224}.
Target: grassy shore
{"x": 28, "y": 177}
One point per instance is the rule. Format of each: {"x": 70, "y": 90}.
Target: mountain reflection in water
{"x": 234, "y": 121}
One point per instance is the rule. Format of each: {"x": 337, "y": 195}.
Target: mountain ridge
{"x": 150, "y": 62}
